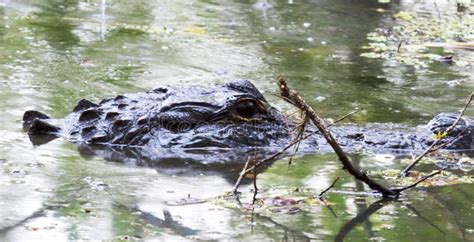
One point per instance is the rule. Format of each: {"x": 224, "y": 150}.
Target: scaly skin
{"x": 234, "y": 115}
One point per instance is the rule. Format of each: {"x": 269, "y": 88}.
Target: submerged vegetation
{"x": 419, "y": 38}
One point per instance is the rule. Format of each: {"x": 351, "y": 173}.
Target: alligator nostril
{"x": 122, "y": 106}
{"x": 119, "y": 125}
{"x": 89, "y": 115}
{"x": 88, "y": 131}
{"x": 111, "y": 115}
{"x": 84, "y": 104}
{"x": 119, "y": 97}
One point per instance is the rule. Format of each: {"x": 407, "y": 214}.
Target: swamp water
{"x": 54, "y": 53}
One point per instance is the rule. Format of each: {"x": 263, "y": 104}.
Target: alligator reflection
{"x": 226, "y": 163}
{"x": 169, "y": 161}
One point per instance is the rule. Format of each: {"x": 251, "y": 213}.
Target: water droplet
{"x": 306, "y": 25}
{"x": 310, "y": 39}
{"x": 320, "y": 98}
{"x": 453, "y": 83}
{"x": 44, "y": 189}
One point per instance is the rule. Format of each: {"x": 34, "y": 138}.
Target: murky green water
{"x": 54, "y": 53}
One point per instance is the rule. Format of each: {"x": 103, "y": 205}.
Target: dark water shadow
{"x": 226, "y": 163}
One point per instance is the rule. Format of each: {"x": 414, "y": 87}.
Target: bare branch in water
{"x": 343, "y": 157}
{"x": 276, "y": 155}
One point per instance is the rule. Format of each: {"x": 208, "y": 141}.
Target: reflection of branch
{"x": 255, "y": 188}
{"x": 301, "y": 236}
{"x": 36, "y": 214}
{"x": 424, "y": 219}
{"x": 167, "y": 222}
{"x": 433, "y": 147}
{"x": 361, "y": 203}
{"x": 361, "y": 217}
{"x": 440, "y": 200}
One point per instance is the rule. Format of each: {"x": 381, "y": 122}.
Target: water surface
{"x": 55, "y": 53}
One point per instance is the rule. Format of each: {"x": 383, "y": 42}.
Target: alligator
{"x": 233, "y": 115}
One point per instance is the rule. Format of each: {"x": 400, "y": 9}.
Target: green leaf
{"x": 440, "y": 135}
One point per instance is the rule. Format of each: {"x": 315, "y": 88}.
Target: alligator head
{"x": 232, "y": 115}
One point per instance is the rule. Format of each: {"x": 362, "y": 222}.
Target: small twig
{"x": 255, "y": 189}
{"x": 432, "y": 148}
{"x": 284, "y": 98}
{"x": 343, "y": 117}
{"x": 418, "y": 182}
{"x": 301, "y": 130}
{"x": 242, "y": 174}
{"x": 320, "y": 196}
{"x": 399, "y": 46}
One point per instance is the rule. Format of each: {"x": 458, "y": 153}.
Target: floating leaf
{"x": 376, "y": 37}
{"x": 371, "y": 55}
{"x": 403, "y": 16}
{"x": 440, "y": 135}
{"x": 195, "y": 30}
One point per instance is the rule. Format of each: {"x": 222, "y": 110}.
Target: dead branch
{"x": 345, "y": 160}
{"x": 433, "y": 147}
{"x": 293, "y": 97}
{"x": 276, "y": 155}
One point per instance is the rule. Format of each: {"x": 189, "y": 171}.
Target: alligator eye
{"x": 246, "y": 108}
